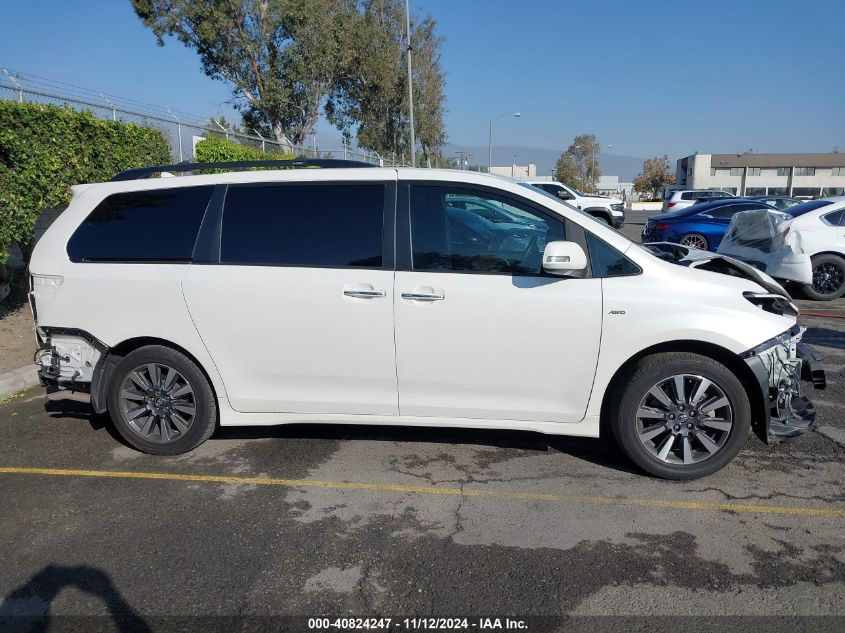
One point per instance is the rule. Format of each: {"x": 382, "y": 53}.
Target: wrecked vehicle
{"x": 762, "y": 238}
{"x": 321, "y": 291}
{"x": 804, "y": 244}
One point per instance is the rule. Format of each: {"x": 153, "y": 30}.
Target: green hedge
{"x": 215, "y": 150}
{"x": 44, "y": 149}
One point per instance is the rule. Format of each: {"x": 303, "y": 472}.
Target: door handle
{"x": 422, "y": 296}
{"x": 365, "y": 294}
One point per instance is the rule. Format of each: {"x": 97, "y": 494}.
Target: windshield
{"x": 805, "y": 207}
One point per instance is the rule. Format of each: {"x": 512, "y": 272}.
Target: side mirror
{"x": 563, "y": 194}
{"x": 563, "y": 258}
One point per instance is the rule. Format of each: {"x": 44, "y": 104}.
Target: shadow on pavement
{"x": 825, "y": 337}
{"x": 27, "y": 608}
{"x": 602, "y": 452}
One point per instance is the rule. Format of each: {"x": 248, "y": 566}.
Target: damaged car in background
{"x": 804, "y": 245}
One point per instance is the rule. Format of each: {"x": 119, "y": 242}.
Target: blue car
{"x": 702, "y": 225}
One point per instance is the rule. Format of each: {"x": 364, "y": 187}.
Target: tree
{"x": 429, "y": 100}
{"x": 370, "y": 100}
{"x": 280, "y": 56}
{"x": 44, "y": 149}
{"x": 578, "y": 166}
{"x": 214, "y": 125}
{"x": 655, "y": 175}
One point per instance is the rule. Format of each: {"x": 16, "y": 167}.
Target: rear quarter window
{"x": 142, "y": 226}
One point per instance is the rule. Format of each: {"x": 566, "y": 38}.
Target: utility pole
{"x": 410, "y": 87}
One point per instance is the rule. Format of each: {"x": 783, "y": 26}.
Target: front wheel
{"x": 161, "y": 402}
{"x": 681, "y": 415}
{"x": 828, "y": 278}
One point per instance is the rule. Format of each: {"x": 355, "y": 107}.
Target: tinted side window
{"x": 728, "y": 211}
{"x": 446, "y": 238}
{"x": 606, "y": 261}
{"x": 303, "y": 225}
{"x": 142, "y": 226}
{"x": 837, "y": 218}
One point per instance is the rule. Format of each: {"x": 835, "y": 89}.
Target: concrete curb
{"x": 18, "y": 380}
{"x": 833, "y": 433}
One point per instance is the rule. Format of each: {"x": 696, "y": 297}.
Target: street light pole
{"x": 410, "y": 87}
{"x": 490, "y": 146}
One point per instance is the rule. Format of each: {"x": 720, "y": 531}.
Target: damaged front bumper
{"x": 781, "y": 365}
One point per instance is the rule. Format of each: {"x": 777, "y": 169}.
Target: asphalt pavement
{"x": 338, "y": 520}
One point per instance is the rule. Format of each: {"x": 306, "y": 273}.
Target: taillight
{"x": 669, "y": 205}
{"x": 661, "y": 226}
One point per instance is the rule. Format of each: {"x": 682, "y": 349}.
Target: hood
{"x": 705, "y": 260}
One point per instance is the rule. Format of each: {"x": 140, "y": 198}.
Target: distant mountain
{"x": 626, "y": 167}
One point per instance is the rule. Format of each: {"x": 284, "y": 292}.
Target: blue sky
{"x": 648, "y": 76}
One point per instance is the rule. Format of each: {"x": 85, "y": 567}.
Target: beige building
{"x": 516, "y": 171}
{"x": 751, "y": 174}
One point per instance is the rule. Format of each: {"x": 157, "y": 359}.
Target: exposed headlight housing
{"x": 619, "y": 208}
{"x": 774, "y": 303}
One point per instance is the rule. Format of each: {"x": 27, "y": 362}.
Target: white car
{"x": 362, "y": 296}
{"x": 805, "y": 243}
{"x": 677, "y": 199}
{"x": 605, "y": 209}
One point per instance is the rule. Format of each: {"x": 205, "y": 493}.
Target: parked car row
{"x": 812, "y": 237}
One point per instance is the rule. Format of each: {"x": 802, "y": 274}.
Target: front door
{"x": 298, "y": 313}
{"x": 481, "y": 332}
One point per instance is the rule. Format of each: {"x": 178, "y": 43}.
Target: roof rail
{"x": 141, "y": 172}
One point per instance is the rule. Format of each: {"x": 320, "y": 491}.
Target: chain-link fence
{"x": 182, "y": 130}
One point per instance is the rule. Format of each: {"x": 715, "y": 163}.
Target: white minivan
{"x": 370, "y": 296}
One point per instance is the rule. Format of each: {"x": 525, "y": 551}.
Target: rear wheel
{"x": 694, "y": 240}
{"x": 681, "y": 415}
{"x": 828, "y": 278}
{"x": 160, "y": 401}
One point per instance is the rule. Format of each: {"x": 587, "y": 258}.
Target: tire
{"x": 601, "y": 218}
{"x": 695, "y": 240}
{"x": 706, "y": 448}
{"x": 172, "y": 416}
{"x": 828, "y": 278}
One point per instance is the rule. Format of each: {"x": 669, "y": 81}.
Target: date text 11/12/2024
{"x": 417, "y": 624}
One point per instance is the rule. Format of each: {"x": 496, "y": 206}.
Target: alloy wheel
{"x": 694, "y": 240}
{"x": 828, "y": 278}
{"x": 157, "y": 402}
{"x": 684, "y": 419}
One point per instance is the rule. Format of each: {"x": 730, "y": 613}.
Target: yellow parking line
{"x": 748, "y": 508}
